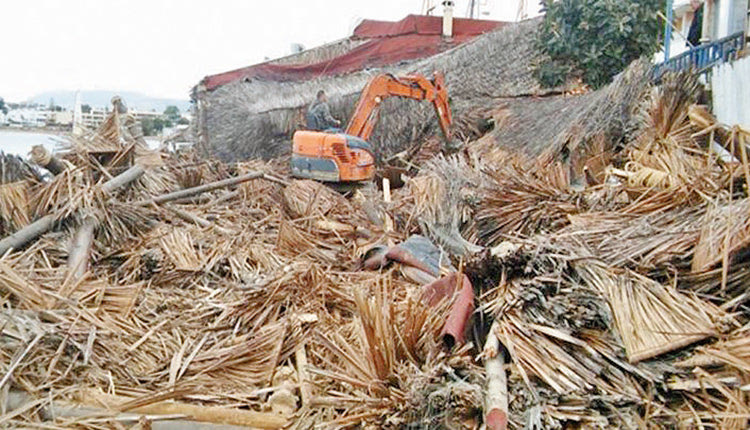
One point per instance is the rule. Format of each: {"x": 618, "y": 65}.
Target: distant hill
{"x": 97, "y": 98}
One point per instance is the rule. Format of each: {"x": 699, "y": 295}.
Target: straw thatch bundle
{"x": 14, "y": 206}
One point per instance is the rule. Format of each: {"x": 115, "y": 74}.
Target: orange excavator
{"x": 347, "y": 157}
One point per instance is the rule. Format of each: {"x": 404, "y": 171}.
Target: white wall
{"x": 730, "y": 17}
{"x": 730, "y": 84}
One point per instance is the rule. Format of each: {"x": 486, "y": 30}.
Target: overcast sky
{"x": 163, "y": 47}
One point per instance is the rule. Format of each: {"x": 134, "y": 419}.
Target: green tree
{"x": 152, "y": 126}
{"x": 595, "y": 39}
{"x": 3, "y": 108}
{"x": 183, "y": 121}
{"x": 147, "y": 126}
{"x": 172, "y": 113}
{"x": 85, "y": 109}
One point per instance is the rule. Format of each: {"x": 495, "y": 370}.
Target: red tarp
{"x": 387, "y": 43}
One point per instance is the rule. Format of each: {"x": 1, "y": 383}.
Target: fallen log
{"x": 42, "y": 157}
{"x": 44, "y": 224}
{"x": 123, "y": 178}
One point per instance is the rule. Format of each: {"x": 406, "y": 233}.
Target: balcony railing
{"x": 703, "y": 57}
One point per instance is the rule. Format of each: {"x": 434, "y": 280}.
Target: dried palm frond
{"x": 309, "y": 198}
{"x": 28, "y": 294}
{"x": 293, "y": 241}
{"x": 665, "y": 154}
{"x": 733, "y": 351}
{"x": 726, "y": 228}
{"x": 251, "y": 358}
{"x": 521, "y": 200}
{"x": 14, "y": 207}
{"x": 720, "y": 404}
{"x": 387, "y": 342}
{"x": 667, "y": 107}
{"x": 643, "y": 242}
{"x": 652, "y": 319}
{"x": 178, "y": 246}
{"x": 65, "y": 192}
{"x": 442, "y": 200}
{"x": 725, "y": 286}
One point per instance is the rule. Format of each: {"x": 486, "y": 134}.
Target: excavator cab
{"x": 331, "y": 157}
{"x": 346, "y": 157}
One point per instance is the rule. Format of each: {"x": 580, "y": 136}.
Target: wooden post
{"x": 123, "y": 178}
{"x": 78, "y": 258}
{"x": 27, "y": 234}
{"x": 496, "y": 398}
{"x": 304, "y": 390}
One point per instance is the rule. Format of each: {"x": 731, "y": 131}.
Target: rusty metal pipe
{"x": 461, "y": 309}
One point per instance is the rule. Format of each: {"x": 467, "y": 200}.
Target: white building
{"x": 721, "y": 18}
{"x": 27, "y": 118}
{"x": 96, "y": 116}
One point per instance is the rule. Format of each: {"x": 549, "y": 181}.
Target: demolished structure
{"x": 583, "y": 264}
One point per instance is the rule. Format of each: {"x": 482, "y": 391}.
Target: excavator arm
{"x": 383, "y": 86}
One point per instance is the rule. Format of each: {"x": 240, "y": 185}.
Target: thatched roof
{"x": 256, "y": 118}
{"x": 564, "y": 122}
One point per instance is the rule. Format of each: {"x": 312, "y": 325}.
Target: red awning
{"x": 418, "y": 24}
{"x": 387, "y": 43}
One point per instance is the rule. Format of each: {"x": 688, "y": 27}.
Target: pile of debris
{"x": 143, "y": 289}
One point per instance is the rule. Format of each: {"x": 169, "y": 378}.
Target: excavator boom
{"x": 416, "y": 87}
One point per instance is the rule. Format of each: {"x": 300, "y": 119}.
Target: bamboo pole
{"x": 44, "y": 224}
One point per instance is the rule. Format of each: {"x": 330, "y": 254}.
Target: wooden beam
{"x": 194, "y": 191}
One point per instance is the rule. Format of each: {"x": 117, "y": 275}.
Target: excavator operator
{"x": 319, "y": 115}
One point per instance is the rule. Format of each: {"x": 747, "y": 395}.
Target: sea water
{"x": 20, "y": 142}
